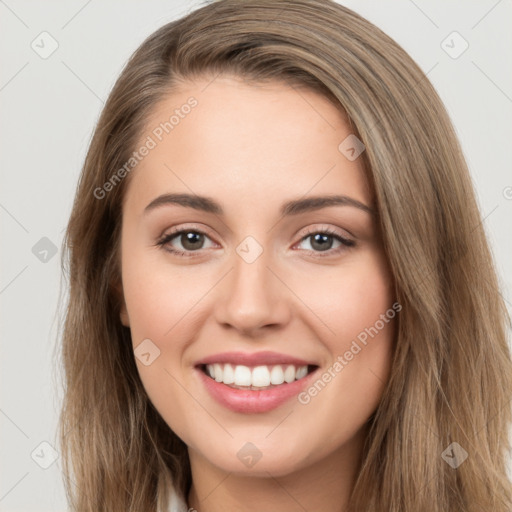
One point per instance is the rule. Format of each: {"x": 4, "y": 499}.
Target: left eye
{"x": 323, "y": 241}
{"x": 190, "y": 241}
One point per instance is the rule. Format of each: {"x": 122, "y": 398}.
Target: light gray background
{"x": 48, "y": 111}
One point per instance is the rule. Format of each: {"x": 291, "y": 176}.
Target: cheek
{"x": 160, "y": 302}
{"x": 158, "y": 295}
{"x": 354, "y": 303}
{"x": 347, "y": 298}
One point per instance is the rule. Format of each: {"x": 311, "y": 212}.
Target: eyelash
{"x": 346, "y": 243}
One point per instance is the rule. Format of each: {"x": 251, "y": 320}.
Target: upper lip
{"x": 254, "y": 359}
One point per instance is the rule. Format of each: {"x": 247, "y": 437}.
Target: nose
{"x": 252, "y": 298}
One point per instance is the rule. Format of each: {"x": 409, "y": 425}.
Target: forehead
{"x": 268, "y": 140}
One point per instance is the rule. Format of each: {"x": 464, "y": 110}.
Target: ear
{"x": 123, "y": 312}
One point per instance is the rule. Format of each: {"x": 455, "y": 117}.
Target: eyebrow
{"x": 294, "y": 207}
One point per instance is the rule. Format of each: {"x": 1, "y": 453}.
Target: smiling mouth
{"x": 256, "y": 378}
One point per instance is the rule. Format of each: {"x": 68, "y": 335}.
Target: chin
{"x": 250, "y": 456}
{"x": 267, "y": 464}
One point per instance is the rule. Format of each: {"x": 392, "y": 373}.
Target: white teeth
{"x": 301, "y": 372}
{"x": 258, "y": 376}
{"x": 242, "y": 376}
{"x": 289, "y": 373}
{"x": 228, "y": 374}
{"x": 217, "y": 369}
{"x": 277, "y": 375}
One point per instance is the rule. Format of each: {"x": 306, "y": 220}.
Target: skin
{"x": 251, "y": 148}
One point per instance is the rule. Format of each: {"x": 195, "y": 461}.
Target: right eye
{"x": 191, "y": 241}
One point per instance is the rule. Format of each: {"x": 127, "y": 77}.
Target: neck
{"x": 323, "y": 485}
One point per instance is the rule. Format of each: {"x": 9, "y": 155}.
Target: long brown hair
{"x": 451, "y": 378}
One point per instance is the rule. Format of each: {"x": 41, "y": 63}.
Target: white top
{"x": 176, "y": 503}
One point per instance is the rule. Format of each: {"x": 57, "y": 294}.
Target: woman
{"x": 281, "y": 293}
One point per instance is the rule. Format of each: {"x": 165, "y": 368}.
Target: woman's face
{"x": 274, "y": 282}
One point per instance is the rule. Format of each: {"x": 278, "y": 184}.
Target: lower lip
{"x": 250, "y": 402}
